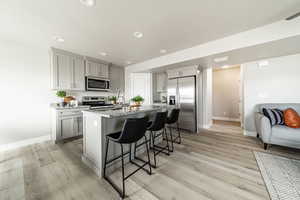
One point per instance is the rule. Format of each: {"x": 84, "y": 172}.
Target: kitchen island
{"x": 97, "y": 124}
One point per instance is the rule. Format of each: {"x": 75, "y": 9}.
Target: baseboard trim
{"x": 250, "y": 133}
{"x": 23, "y": 143}
{"x": 227, "y": 119}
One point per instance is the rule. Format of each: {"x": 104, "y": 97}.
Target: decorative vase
{"x": 137, "y": 103}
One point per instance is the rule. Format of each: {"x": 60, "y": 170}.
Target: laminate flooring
{"x": 209, "y": 165}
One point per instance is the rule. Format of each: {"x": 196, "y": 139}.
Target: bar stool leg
{"x": 146, "y": 143}
{"x": 172, "y": 142}
{"x": 105, "y": 161}
{"x": 130, "y": 152}
{"x": 153, "y": 149}
{"x": 123, "y": 178}
{"x": 167, "y": 139}
{"x": 179, "y": 134}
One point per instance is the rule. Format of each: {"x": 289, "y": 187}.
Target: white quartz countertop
{"x": 120, "y": 112}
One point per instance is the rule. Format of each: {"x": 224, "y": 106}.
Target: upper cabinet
{"x": 181, "y": 72}
{"x": 117, "y": 81}
{"x": 77, "y": 74}
{"x": 67, "y": 71}
{"x": 97, "y": 69}
{"x": 161, "y": 82}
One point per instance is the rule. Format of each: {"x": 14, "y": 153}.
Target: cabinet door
{"x": 67, "y": 127}
{"x": 77, "y": 126}
{"x": 104, "y": 71}
{"x": 62, "y": 72}
{"x": 77, "y": 66}
{"x": 161, "y": 82}
{"x": 116, "y": 77}
{"x": 93, "y": 68}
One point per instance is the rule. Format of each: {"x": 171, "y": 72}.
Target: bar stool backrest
{"x": 133, "y": 130}
{"x": 173, "y": 118}
{"x": 159, "y": 121}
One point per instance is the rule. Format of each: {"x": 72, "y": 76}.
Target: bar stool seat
{"x": 114, "y": 136}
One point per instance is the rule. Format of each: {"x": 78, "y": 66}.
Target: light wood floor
{"x": 209, "y": 165}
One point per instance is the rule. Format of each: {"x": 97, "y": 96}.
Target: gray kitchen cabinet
{"x": 161, "y": 82}
{"x": 66, "y": 123}
{"x": 67, "y": 71}
{"x": 77, "y": 71}
{"x": 61, "y": 72}
{"x": 117, "y": 81}
{"x": 97, "y": 69}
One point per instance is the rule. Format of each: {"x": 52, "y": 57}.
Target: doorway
{"x": 226, "y": 97}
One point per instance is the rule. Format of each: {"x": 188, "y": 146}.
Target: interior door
{"x": 187, "y": 104}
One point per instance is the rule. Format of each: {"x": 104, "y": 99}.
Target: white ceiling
{"x": 109, "y": 25}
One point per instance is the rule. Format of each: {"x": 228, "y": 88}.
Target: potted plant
{"x": 113, "y": 99}
{"x": 61, "y": 94}
{"x": 137, "y": 100}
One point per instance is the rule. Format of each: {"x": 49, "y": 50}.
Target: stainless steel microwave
{"x": 96, "y": 84}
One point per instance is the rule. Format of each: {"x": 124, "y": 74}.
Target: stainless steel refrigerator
{"x": 182, "y": 94}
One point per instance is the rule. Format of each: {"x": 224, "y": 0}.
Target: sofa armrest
{"x": 263, "y": 127}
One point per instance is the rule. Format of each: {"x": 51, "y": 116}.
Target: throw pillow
{"x": 291, "y": 118}
{"x": 275, "y": 116}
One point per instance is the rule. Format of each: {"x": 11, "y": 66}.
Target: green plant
{"x": 61, "y": 94}
{"x": 112, "y": 98}
{"x": 137, "y": 99}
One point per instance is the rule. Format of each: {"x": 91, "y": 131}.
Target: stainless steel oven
{"x": 96, "y": 84}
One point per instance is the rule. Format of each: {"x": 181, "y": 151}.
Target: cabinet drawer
{"x": 69, "y": 113}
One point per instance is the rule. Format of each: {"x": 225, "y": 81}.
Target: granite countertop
{"x": 114, "y": 113}
{"x": 57, "y": 107}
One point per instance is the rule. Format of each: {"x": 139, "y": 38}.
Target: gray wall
{"x": 226, "y": 93}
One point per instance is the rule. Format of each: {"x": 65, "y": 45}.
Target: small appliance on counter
{"x": 95, "y": 102}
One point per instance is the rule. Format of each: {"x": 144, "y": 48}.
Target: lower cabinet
{"x": 66, "y": 124}
{"x": 70, "y": 126}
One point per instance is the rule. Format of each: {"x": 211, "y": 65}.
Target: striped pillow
{"x": 275, "y": 116}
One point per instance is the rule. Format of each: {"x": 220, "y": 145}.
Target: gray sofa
{"x": 278, "y": 134}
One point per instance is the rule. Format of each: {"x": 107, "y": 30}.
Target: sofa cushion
{"x": 286, "y": 133}
{"x": 275, "y": 116}
{"x": 291, "y": 118}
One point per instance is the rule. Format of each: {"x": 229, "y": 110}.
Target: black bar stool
{"x": 157, "y": 128}
{"x": 172, "y": 119}
{"x": 133, "y": 130}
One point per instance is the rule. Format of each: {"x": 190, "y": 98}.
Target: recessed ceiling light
{"x": 163, "y": 51}
{"x": 221, "y": 59}
{"x": 88, "y": 3}
{"x": 58, "y": 39}
{"x": 103, "y": 53}
{"x": 138, "y": 34}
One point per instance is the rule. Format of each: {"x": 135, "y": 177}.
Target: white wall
{"x": 226, "y": 93}
{"x": 25, "y": 93}
{"x": 276, "y": 83}
{"x": 207, "y": 97}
